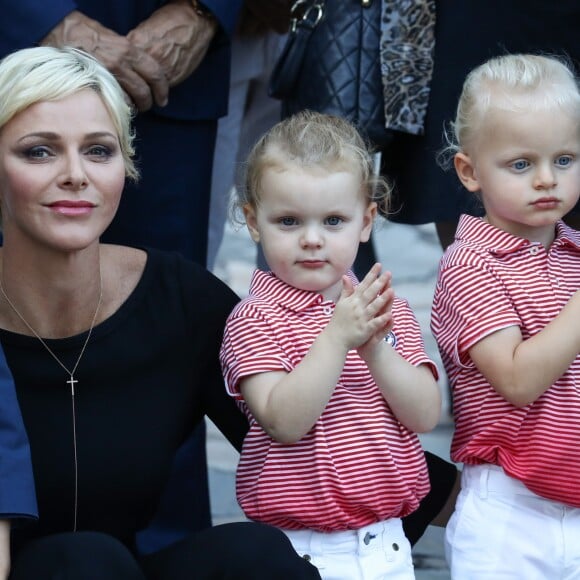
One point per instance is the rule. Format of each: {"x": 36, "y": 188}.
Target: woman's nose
{"x": 73, "y": 175}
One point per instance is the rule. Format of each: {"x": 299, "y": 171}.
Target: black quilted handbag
{"x": 331, "y": 64}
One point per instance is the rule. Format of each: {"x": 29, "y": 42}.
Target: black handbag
{"x": 331, "y": 64}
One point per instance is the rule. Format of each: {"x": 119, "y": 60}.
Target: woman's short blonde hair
{"x": 513, "y": 82}
{"x": 310, "y": 139}
{"x": 32, "y": 75}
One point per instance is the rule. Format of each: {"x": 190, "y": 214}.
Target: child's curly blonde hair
{"x": 310, "y": 139}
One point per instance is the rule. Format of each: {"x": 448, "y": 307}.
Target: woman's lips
{"x": 72, "y": 208}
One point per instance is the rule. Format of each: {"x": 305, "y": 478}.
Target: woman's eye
{"x": 563, "y": 160}
{"x": 333, "y": 220}
{"x": 520, "y": 164}
{"x": 37, "y": 152}
{"x": 100, "y": 151}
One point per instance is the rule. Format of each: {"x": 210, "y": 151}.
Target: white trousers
{"x": 376, "y": 552}
{"x": 501, "y": 530}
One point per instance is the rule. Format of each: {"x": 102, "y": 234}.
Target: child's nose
{"x": 545, "y": 176}
{"x": 311, "y": 237}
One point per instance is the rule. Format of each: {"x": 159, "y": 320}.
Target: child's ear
{"x": 368, "y": 221}
{"x": 466, "y": 172}
{"x": 251, "y": 221}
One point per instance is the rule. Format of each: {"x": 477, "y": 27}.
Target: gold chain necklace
{"x": 70, "y": 382}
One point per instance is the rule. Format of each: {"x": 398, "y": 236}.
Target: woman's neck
{"x": 55, "y": 294}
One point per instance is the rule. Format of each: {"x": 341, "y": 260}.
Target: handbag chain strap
{"x": 306, "y": 11}
{"x": 311, "y": 12}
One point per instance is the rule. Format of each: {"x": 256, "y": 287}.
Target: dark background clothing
{"x": 466, "y": 35}
{"x": 17, "y": 493}
{"x": 201, "y": 96}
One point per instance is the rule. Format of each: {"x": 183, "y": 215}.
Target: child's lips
{"x": 312, "y": 264}
{"x": 546, "y": 203}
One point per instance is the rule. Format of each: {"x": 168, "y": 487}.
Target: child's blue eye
{"x": 333, "y": 220}
{"x": 520, "y": 164}
{"x": 287, "y": 221}
{"x": 563, "y": 160}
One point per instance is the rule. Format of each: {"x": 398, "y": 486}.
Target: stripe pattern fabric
{"x": 489, "y": 280}
{"x": 357, "y": 465}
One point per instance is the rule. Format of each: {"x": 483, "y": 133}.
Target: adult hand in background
{"x": 176, "y": 37}
{"x": 141, "y": 75}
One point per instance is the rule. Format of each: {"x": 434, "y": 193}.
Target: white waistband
{"x": 361, "y": 537}
{"x": 492, "y": 478}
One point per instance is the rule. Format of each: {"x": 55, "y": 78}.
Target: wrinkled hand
{"x": 362, "y": 315}
{"x": 140, "y": 74}
{"x": 176, "y": 37}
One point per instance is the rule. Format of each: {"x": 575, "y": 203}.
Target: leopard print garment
{"x": 407, "y": 46}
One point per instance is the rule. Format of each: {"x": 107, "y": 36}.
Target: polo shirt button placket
{"x": 534, "y": 249}
{"x": 327, "y": 310}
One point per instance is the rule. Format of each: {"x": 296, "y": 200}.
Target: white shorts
{"x": 502, "y": 530}
{"x": 375, "y": 552}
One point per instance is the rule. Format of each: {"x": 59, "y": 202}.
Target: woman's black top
{"x": 149, "y": 374}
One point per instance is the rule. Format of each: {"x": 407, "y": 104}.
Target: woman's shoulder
{"x": 126, "y": 261}
{"x": 130, "y": 265}
{"x": 158, "y": 279}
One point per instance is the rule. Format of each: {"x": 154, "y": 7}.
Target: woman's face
{"x": 61, "y": 173}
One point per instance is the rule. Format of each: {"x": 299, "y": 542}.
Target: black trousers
{"x": 237, "y": 551}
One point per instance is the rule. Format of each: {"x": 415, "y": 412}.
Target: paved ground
{"x": 412, "y": 254}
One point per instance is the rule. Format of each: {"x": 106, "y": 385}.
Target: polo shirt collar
{"x": 267, "y": 286}
{"x": 567, "y": 235}
{"x": 473, "y": 230}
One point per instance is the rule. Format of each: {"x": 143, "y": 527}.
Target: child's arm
{"x": 411, "y": 391}
{"x": 522, "y": 370}
{"x": 288, "y": 404}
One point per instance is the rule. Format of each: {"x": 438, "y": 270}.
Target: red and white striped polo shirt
{"x": 489, "y": 280}
{"x": 358, "y": 464}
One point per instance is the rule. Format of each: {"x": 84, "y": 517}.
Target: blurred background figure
{"x": 256, "y": 44}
